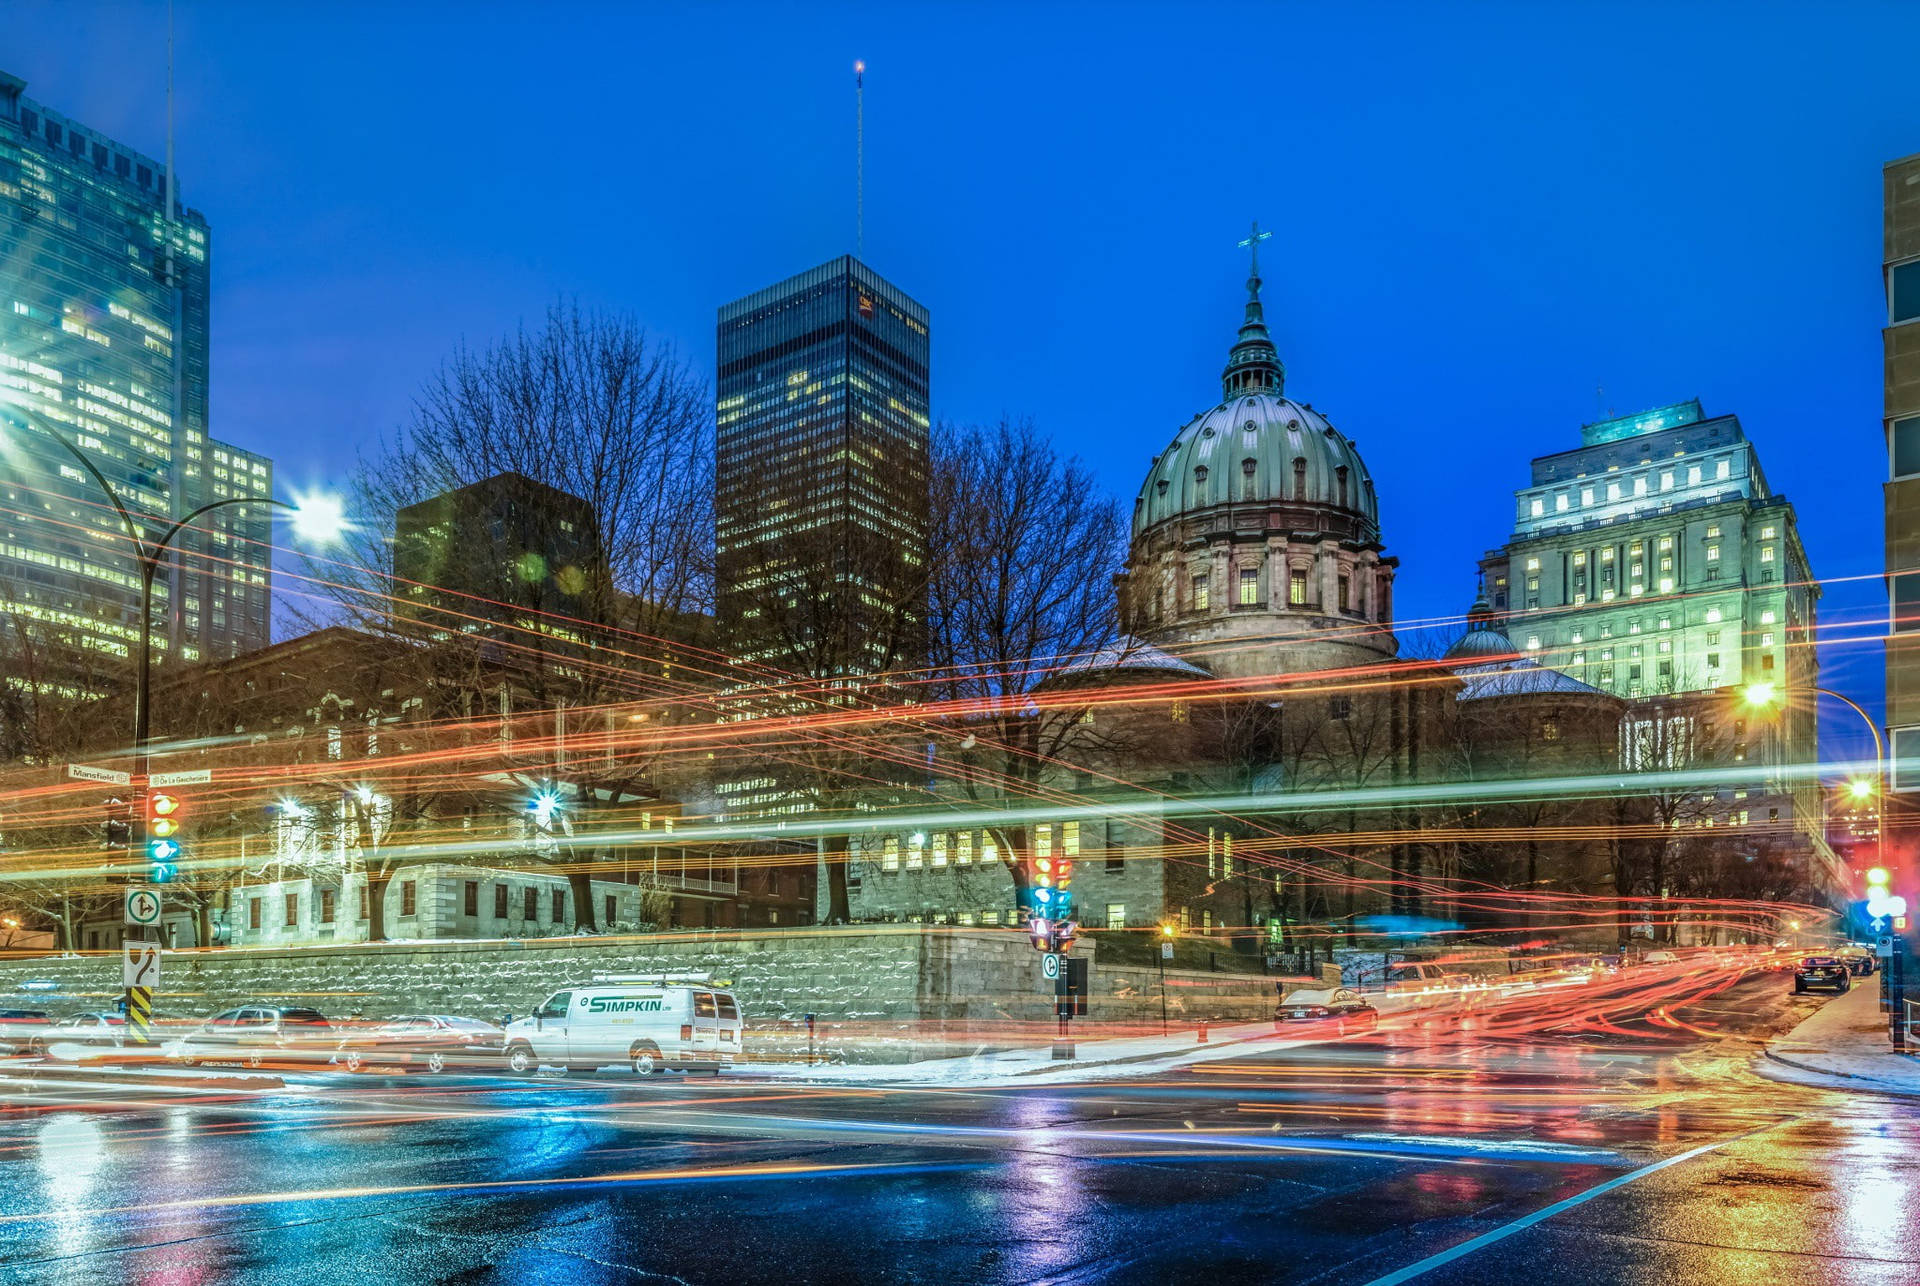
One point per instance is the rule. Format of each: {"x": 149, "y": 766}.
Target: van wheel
{"x": 520, "y": 1059}
{"x": 354, "y": 1062}
{"x": 646, "y": 1059}
{"x": 436, "y": 1061}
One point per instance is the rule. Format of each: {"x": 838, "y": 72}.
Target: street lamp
{"x": 1766, "y": 694}
{"x": 318, "y": 519}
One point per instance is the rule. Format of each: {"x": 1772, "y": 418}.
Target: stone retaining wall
{"x": 878, "y": 993}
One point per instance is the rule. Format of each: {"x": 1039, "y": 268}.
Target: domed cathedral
{"x": 1256, "y": 536}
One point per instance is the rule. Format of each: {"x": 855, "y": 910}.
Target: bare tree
{"x": 1021, "y": 556}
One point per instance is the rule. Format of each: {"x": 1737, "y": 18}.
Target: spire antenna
{"x": 860, "y": 159}
{"x": 1254, "y": 366}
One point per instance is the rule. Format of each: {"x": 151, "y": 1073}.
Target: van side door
{"x": 550, "y": 1026}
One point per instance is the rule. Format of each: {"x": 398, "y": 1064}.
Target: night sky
{"x": 1491, "y": 223}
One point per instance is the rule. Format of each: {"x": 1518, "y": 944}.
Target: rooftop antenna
{"x": 170, "y": 196}
{"x": 860, "y": 159}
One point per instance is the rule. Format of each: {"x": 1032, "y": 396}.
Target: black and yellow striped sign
{"x": 140, "y": 1015}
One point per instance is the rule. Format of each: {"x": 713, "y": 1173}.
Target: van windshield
{"x": 727, "y": 1008}
{"x": 556, "y": 1006}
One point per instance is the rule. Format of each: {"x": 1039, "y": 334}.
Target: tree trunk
{"x": 580, "y": 886}
{"x": 203, "y": 922}
{"x": 377, "y": 906}
{"x": 839, "y": 905}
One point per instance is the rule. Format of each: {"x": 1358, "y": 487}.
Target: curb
{"x": 83, "y": 1076}
{"x": 1887, "y": 1087}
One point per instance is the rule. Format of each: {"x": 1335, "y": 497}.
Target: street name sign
{"x": 87, "y": 772}
{"x": 197, "y": 777}
{"x": 140, "y": 964}
{"x": 143, "y": 906}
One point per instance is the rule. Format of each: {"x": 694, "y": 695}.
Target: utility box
{"x": 1070, "y": 988}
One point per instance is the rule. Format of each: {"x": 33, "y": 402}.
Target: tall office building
{"x": 821, "y": 486}
{"x": 103, "y": 339}
{"x": 1900, "y": 832}
{"x": 1655, "y": 562}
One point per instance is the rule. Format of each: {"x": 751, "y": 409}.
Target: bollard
{"x": 1203, "y": 1031}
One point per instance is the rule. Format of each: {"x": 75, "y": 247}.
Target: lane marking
{"x": 1521, "y": 1224}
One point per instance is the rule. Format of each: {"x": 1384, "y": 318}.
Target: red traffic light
{"x": 161, "y": 804}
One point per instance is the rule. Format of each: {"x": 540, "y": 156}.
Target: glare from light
{"x": 318, "y": 519}
{"x": 1760, "y": 694}
{"x": 1860, "y": 788}
{"x": 1878, "y": 875}
{"x": 543, "y": 806}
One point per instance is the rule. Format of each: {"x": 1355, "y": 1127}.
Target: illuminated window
{"x": 963, "y": 850}
{"x": 1766, "y": 553}
{"x": 1116, "y": 915}
{"x": 916, "y": 850}
{"x": 1560, "y": 503}
{"x": 1537, "y": 508}
{"x": 1202, "y": 591}
{"x": 1297, "y": 587}
{"x": 1249, "y": 586}
{"x": 890, "y": 854}
{"x": 940, "y": 849}
{"x": 1070, "y": 839}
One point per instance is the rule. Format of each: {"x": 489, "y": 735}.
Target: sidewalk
{"x": 1844, "y": 1045}
{"x": 1122, "y": 1056}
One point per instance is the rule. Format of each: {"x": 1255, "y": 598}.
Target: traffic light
{"x": 117, "y": 830}
{"x": 163, "y": 842}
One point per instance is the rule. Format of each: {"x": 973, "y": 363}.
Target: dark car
{"x": 1344, "y": 1008}
{"x": 90, "y": 1030}
{"x": 429, "y": 1040}
{"x": 18, "y": 1027}
{"x": 1822, "y": 971}
{"x": 1857, "y": 958}
{"x": 256, "y": 1034}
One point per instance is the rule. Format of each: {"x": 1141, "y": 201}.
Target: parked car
{"x": 1822, "y": 971}
{"x": 1346, "y": 1008}
{"x": 1659, "y": 958}
{"x": 1416, "y": 975}
{"x": 92, "y": 1030}
{"x": 615, "y": 1020}
{"x": 429, "y": 1040}
{"x": 18, "y": 1027}
{"x": 1857, "y": 958}
{"x": 254, "y": 1034}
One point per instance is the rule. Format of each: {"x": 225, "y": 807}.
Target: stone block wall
{"x": 878, "y": 993}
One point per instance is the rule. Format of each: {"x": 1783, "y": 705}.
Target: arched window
{"x": 1299, "y": 477}
{"x": 1202, "y": 591}
{"x": 1297, "y": 587}
{"x": 1161, "y": 487}
{"x": 1341, "y": 475}
{"x": 1200, "y": 475}
{"x": 1346, "y": 592}
{"x": 1246, "y": 479}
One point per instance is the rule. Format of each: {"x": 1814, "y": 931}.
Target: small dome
{"x": 1484, "y": 639}
{"x": 1258, "y": 448}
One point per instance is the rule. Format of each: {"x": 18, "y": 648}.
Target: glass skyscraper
{"x": 821, "y": 487}
{"x": 103, "y": 339}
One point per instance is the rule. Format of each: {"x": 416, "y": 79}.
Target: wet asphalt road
{"x": 1342, "y": 1162}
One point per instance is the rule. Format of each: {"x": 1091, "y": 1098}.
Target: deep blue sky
{"x": 1482, "y": 214}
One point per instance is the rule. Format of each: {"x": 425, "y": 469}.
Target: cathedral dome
{"x": 1260, "y": 448}
{"x": 1256, "y": 535}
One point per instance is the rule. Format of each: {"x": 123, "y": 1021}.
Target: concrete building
{"x": 103, "y": 339}
{"x": 1654, "y": 561}
{"x": 1901, "y": 347}
{"x": 505, "y": 550}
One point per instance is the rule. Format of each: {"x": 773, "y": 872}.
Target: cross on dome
{"x": 1254, "y": 364}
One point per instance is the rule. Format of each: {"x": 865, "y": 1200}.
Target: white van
{"x": 625, "y": 1019}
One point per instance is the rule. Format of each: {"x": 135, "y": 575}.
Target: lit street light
{"x": 1765, "y": 694}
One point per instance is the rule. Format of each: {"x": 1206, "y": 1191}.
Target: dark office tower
{"x": 103, "y": 340}
{"x": 506, "y": 550}
{"x": 821, "y": 487}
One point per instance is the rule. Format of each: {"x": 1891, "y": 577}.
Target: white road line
{"x": 1432, "y": 1262}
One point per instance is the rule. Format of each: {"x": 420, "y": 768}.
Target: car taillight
{"x": 686, "y": 1031}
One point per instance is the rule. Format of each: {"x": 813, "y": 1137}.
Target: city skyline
{"x": 1672, "y": 310}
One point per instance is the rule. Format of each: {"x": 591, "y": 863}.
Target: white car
{"x": 611, "y": 1020}
{"x": 1659, "y": 958}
